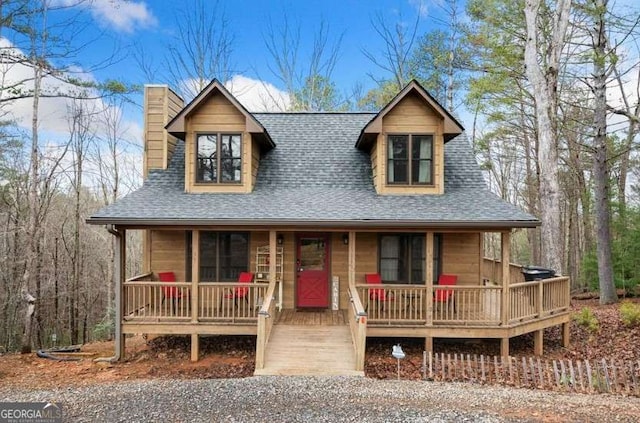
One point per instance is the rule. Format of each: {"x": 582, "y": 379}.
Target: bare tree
{"x": 542, "y": 64}
{"x": 307, "y": 80}
{"x": 202, "y": 49}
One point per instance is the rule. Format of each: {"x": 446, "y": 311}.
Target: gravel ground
{"x": 324, "y": 399}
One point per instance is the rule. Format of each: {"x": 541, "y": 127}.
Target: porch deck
{"x": 407, "y": 311}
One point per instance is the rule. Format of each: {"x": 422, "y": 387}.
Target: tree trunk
{"x": 600, "y": 158}
{"x": 545, "y": 93}
{"x": 32, "y": 225}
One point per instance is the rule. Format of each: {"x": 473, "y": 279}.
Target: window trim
{"x": 189, "y": 253}
{"x": 437, "y": 253}
{"x": 409, "y": 160}
{"x": 219, "y": 135}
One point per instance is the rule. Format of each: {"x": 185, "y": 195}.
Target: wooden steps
{"x": 310, "y": 350}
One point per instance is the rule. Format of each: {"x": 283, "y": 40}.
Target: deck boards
{"x": 311, "y": 317}
{"x": 310, "y": 343}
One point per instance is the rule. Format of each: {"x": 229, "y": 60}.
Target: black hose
{"x": 48, "y": 355}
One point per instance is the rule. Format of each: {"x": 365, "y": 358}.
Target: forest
{"x": 550, "y": 90}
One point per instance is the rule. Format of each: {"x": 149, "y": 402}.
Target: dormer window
{"x": 410, "y": 159}
{"x": 219, "y": 158}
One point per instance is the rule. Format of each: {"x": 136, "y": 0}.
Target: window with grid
{"x": 410, "y": 159}
{"x": 219, "y": 158}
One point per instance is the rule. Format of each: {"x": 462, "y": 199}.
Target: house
{"x": 310, "y": 203}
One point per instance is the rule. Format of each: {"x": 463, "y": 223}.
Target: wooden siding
{"x": 460, "y": 256}
{"x": 217, "y": 114}
{"x": 412, "y": 115}
{"x": 374, "y": 167}
{"x": 168, "y": 253}
{"x": 255, "y": 163}
{"x": 161, "y": 105}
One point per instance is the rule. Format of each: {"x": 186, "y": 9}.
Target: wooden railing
{"x": 265, "y": 324}
{"x": 149, "y": 300}
{"x": 530, "y": 300}
{"x": 462, "y": 304}
{"x": 358, "y": 325}
{"x": 171, "y": 301}
{"x": 492, "y": 271}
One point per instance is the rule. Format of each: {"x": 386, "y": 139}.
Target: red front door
{"x": 313, "y": 271}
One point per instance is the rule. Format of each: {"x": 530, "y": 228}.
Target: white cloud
{"x": 257, "y": 95}
{"x": 121, "y": 15}
{"x": 52, "y": 111}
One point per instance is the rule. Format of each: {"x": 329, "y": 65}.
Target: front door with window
{"x": 312, "y": 288}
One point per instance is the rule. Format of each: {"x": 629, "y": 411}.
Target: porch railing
{"x": 171, "y": 301}
{"x": 266, "y": 317}
{"x": 358, "y": 324}
{"x": 530, "y": 300}
{"x": 462, "y": 304}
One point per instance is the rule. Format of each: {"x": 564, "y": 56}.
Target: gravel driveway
{"x": 324, "y": 399}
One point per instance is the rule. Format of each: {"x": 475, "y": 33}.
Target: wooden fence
{"x": 584, "y": 376}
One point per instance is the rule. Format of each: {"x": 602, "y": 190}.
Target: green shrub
{"x": 630, "y": 313}
{"x": 586, "y": 319}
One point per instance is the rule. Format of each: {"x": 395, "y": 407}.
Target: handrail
{"x": 265, "y": 324}
{"x": 157, "y": 283}
{"x": 358, "y": 326}
{"x": 139, "y": 277}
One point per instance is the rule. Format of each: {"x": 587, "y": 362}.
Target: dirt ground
{"x": 233, "y": 357}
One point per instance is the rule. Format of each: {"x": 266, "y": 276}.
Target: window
{"x": 410, "y": 159}
{"x": 402, "y": 258}
{"x": 219, "y": 158}
{"x": 223, "y": 255}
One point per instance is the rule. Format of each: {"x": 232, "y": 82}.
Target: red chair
{"x": 170, "y": 292}
{"x": 241, "y": 292}
{"x": 376, "y": 295}
{"x": 445, "y": 296}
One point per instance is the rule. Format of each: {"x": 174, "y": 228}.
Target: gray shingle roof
{"x": 315, "y": 176}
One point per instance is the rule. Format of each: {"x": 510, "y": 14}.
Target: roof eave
{"x": 305, "y": 223}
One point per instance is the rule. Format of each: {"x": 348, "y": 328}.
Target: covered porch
{"x": 492, "y": 301}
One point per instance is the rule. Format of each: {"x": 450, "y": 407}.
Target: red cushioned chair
{"x": 445, "y": 296}
{"x": 171, "y": 292}
{"x": 241, "y": 292}
{"x": 376, "y": 295}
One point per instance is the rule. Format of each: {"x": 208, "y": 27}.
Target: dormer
{"x": 405, "y": 141}
{"x": 223, "y": 142}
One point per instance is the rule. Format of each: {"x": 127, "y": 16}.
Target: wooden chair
{"x": 171, "y": 292}
{"x": 376, "y": 295}
{"x": 240, "y": 292}
{"x": 446, "y": 296}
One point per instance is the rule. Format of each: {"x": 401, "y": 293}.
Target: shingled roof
{"x": 316, "y": 177}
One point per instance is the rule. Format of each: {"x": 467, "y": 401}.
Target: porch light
{"x": 345, "y": 239}
{"x": 398, "y": 354}
{"x": 280, "y": 239}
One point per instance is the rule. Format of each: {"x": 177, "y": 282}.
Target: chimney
{"x": 161, "y": 104}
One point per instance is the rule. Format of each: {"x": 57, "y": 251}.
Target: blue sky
{"x": 118, "y": 27}
{"x": 248, "y": 19}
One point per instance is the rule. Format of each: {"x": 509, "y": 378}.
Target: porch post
{"x": 428, "y": 266}
{"x": 481, "y": 275}
{"x": 195, "y": 278}
{"x": 506, "y": 294}
{"x": 538, "y": 346}
{"x": 505, "y": 247}
{"x": 352, "y": 258}
{"x": 120, "y": 275}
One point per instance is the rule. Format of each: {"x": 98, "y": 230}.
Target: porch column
{"x": 505, "y": 247}
{"x": 428, "y": 266}
{"x": 506, "y": 277}
{"x": 119, "y": 277}
{"x": 352, "y": 258}
{"x": 538, "y": 345}
{"x": 195, "y": 278}
{"x": 481, "y": 275}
